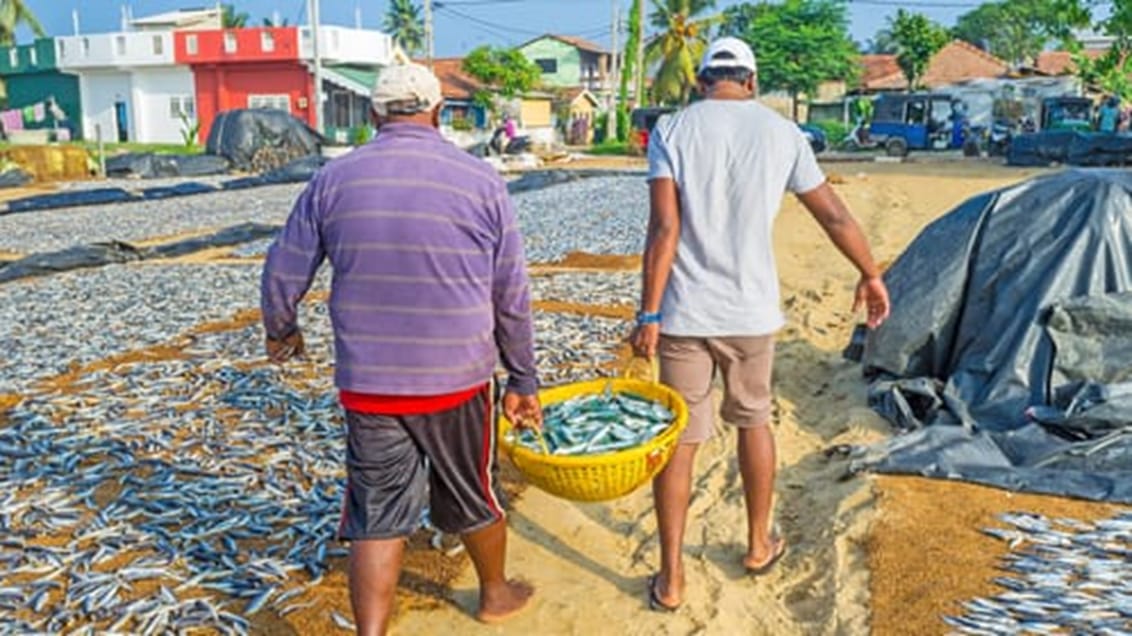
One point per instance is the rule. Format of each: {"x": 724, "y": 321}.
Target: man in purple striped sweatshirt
{"x": 430, "y": 290}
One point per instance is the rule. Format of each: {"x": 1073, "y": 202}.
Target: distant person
{"x": 717, "y": 172}
{"x": 430, "y": 289}
{"x": 1109, "y": 116}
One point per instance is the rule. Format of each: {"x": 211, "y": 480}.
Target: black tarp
{"x": 1070, "y": 148}
{"x": 150, "y": 165}
{"x": 1008, "y": 357}
{"x": 114, "y": 252}
{"x": 15, "y": 178}
{"x": 239, "y": 135}
{"x": 96, "y": 196}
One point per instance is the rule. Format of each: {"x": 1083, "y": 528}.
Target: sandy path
{"x": 590, "y": 561}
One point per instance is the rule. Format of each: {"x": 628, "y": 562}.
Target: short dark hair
{"x": 737, "y": 74}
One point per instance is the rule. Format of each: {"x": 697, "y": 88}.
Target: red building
{"x": 246, "y": 68}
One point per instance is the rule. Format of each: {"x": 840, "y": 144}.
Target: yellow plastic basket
{"x": 609, "y": 475}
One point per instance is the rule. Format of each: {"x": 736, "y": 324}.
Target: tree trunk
{"x": 794, "y": 104}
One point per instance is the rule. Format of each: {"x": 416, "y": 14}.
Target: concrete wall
{"x": 115, "y": 50}
{"x": 153, "y": 89}
{"x": 100, "y": 91}
{"x": 568, "y": 58}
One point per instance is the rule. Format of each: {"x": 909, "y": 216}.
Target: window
{"x": 13, "y": 57}
{"x": 192, "y": 46}
{"x": 158, "y": 45}
{"x": 916, "y": 113}
{"x": 182, "y": 106}
{"x": 62, "y": 48}
{"x": 230, "y": 44}
{"x": 120, "y": 45}
{"x": 548, "y": 66}
{"x": 273, "y": 102}
{"x": 86, "y": 47}
{"x": 267, "y": 41}
{"x": 33, "y": 54}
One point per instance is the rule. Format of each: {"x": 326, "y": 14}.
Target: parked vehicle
{"x": 643, "y": 120}
{"x": 816, "y": 137}
{"x": 1067, "y": 113}
{"x": 922, "y": 121}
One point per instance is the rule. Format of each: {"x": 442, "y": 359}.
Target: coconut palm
{"x": 404, "y": 23}
{"x": 677, "y": 49}
{"x": 14, "y": 13}
{"x": 233, "y": 20}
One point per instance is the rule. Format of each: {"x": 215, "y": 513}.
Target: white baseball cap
{"x": 406, "y": 83}
{"x": 729, "y": 52}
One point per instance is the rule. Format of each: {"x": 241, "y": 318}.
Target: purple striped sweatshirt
{"x": 430, "y": 284}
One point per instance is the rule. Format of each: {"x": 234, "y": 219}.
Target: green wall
{"x": 44, "y": 53}
{"x": 28, "y": 90}
{"x": 27, "y": 84}
{"x": 569, "y": 61}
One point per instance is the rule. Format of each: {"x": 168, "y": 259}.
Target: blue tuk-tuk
{"x": 921, "y": 121}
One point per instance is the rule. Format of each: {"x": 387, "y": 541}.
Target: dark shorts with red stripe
{"x": 398, "y": 465}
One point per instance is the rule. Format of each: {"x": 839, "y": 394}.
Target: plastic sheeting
{"x": 151, "y": 166}
{"x": 239, "y": 135}
{"x": 1070, "y": 148}
{"x": 114, "y": 252}
{"x": 1008, "y": 357}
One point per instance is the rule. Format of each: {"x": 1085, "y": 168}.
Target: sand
{"x": 590, "y": 561}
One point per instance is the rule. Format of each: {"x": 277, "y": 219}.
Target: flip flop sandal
{"x": 766, "y": 567}
{"x": 655, "y": 604}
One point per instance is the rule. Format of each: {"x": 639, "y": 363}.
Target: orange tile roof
{"x": 958, "y": 61}
{"x": 454, "y": 82}
{"x": 1061, "y": 62}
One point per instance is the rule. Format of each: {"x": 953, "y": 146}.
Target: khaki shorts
{"x": 688, "y": 365}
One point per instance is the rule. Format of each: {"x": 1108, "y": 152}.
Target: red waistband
{"x": 393, "y": 405}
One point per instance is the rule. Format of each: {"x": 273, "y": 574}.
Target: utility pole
{"x": 611, "y": 128}
{"x": 430, "y": 50}
{"x": 640, "y": 67}
{"x": 317, "y": 97}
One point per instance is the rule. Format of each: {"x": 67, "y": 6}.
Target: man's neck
{"x": 729, "y": 94}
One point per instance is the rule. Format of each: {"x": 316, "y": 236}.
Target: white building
{"x": 131, "y": 87}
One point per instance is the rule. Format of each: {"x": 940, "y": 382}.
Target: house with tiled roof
{"x": 569, "y": 62}
{"x": 956, "y": 62}
{"x": 459, "y": 90}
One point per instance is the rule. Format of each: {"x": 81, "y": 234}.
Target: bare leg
{"x": 672, "y": 492}
{"x": 375, "y": 567}
{"x": 499, "y": 598}
{"x": 757, "y": 465}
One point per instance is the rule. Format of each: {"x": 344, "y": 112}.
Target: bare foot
{"x": 760, "y": 559}
{"x": 504, "y": 602}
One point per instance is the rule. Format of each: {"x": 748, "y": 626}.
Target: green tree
{"x": 403, "y": 21}
{"x": 270, "y": 22}
{"x": 917, "y": 40}
{"x": 737, "y": 19}
{"x": 677, "y": 49}
{"x": 629, "y": 67}
{"x": 881, "y": 43}
{"x": 1018, "y": 30}
{"x": 1110, "y": 71}
{"x": 14, "y": 13}
{"x": 231, "y": 19}
{"x": 799, "y": 44}
{"x": 506, "y": 72}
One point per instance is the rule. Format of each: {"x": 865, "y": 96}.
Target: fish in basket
{"x": 600, "y": 439}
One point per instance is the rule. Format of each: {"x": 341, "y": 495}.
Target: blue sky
{"x": 460, "y": 27}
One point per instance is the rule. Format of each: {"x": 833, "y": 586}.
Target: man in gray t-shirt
{"x": 718, "y": 170}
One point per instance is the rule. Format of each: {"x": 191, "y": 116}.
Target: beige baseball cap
{"x": 412, "y": 87}
{"x": 729, "y": 52}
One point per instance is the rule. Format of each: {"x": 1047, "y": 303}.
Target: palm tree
{"x": 232, "y": 20}
{"x": 403, "y": 21}
{"x": 678, "y": 47}
{"x": 13, "y": 13}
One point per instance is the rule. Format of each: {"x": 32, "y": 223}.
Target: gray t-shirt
{"x": 732, "y": 161}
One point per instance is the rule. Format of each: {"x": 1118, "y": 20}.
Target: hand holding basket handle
{"x": 525, "y": 411}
